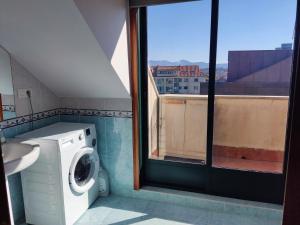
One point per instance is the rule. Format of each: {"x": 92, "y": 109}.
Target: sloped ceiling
{"x": 108, "y": 22}
{"x": 54, "y": 42}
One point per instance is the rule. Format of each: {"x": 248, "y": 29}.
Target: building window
{"x": 169, "y": 81}
{"x": 169, "y": 89}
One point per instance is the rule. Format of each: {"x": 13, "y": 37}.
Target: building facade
{"x": 264, "y": 66}
{"x": 178, "y": 79}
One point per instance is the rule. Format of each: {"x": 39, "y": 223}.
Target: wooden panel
{"x": 134, "y": 95}
{"x": 152, "y": 117}
{"x": 175, "y": 101}
{"x": 183, "y": 128}
{"x": 172, "y": 134}
{"x": 196, "y": 128}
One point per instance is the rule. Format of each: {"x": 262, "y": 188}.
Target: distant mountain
{"x": 202, "y": 65}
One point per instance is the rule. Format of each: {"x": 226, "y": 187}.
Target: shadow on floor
{"x": 115, "y": 210}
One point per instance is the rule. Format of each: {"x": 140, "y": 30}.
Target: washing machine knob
{"x": 94, "y": 142}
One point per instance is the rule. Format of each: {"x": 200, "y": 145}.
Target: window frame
{"x": 204, "y": 178}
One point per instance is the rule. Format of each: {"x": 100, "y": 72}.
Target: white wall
{"x": 122, "y": 104}
{"x": 54, "y": 42}
{"x": 42, "y": 98}
{"x": 5, "y": 74}
{"x": 108, "y": 20}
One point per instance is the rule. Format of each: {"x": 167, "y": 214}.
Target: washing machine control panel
{"x": 82, "y": 138}
{"x": 87, "y": 137}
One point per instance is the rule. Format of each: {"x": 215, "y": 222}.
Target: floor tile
{"x": 116, "y": 210}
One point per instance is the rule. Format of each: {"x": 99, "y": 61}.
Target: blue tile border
{"x": 27, "y": 118}
{"x": 63, "y": 111}
{"x": 96, "y": 112}
{"x": 8, "y": 108}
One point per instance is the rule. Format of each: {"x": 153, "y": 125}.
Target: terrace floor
{"x": 246, "y": 164}
{"x": 235, "y": 163}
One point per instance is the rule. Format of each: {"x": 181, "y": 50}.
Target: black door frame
{"x": 4, "y": 206}
{"x": 291, "y": 215}
{"x": 246, "y": 185}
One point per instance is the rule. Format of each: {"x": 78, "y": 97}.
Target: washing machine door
{"x": 84, "y": 170}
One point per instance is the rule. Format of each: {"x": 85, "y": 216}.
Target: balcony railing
{"x": 245, "y": 128}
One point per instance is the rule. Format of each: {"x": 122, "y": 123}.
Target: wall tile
{"x": 10, "y": 132}
{"x": 70, "y": 118}
{"x": 45, "y": 122}
{"x": 23, "y": 128}
{"x": 14, "y": 180}
{"x": 88, "y": 119}
{"x": 16, "y": 194}
{"x": 114, "y": 147}
{"x": 117, "y": 154}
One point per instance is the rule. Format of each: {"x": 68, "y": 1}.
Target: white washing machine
{"x": 63, "y": 182}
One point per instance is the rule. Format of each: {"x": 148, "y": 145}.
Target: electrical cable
{"x": 31, "y": 108}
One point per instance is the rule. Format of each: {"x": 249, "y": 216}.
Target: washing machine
{"x": 60, "y": 186}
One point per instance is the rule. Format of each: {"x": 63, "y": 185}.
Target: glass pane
{"x": 252, "y": 84}
{"x": 83, "y": 170}
{"x": 178, "y": 47}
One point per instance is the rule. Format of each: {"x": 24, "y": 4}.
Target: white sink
{"x": 19, "y": 156}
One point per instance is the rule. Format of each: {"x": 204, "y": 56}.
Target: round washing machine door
{"x": 84, "y": 170}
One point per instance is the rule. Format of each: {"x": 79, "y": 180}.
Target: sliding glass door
{"x": 176, "y": 102}
{"x": 176, "y": 105}
{"x": 214, "y": 84}
{"x": 255, "y": 49}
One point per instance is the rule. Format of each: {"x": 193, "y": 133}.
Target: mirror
{"x": 7, "y": 100}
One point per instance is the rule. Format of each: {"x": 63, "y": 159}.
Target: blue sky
{"x": 182, "y": 30}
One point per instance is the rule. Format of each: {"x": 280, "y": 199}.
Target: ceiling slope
{"x": 108, "y": 22}
{"x": 53, "y": 41}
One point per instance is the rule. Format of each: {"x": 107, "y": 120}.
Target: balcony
{"x": 249, "y": 131}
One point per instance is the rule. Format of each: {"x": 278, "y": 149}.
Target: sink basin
{"x": 19, "y": 156}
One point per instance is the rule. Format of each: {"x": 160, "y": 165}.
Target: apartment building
{"x": 178, "y": 79}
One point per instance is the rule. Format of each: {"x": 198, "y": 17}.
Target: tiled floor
{"x": 124, "y": 211}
